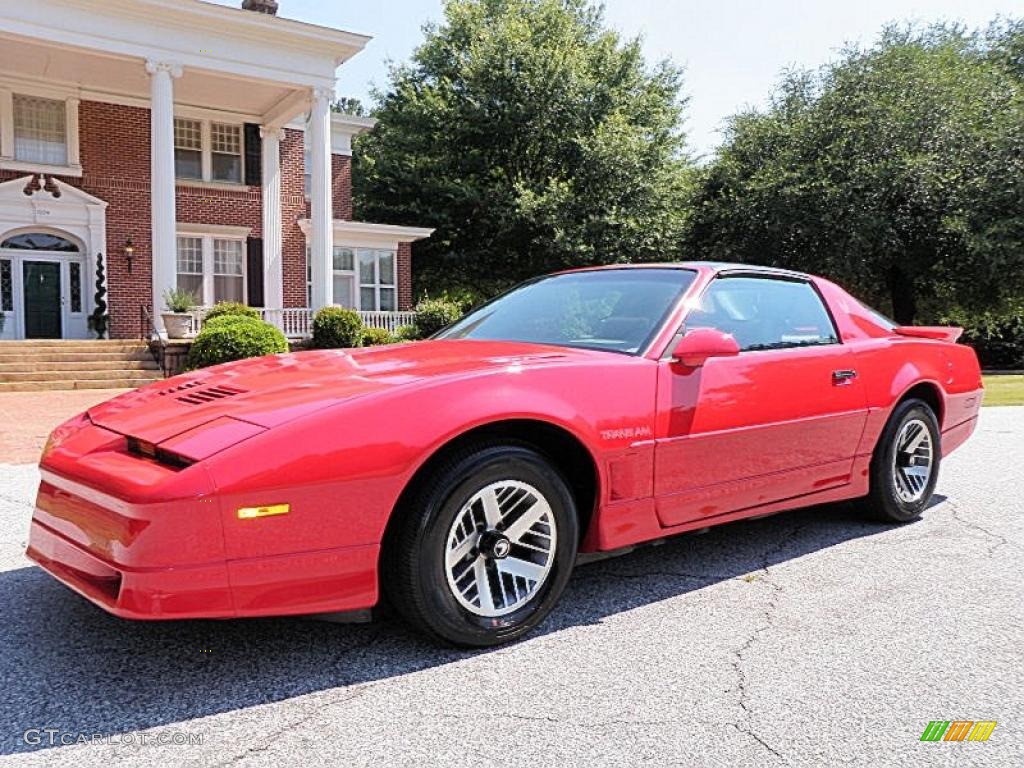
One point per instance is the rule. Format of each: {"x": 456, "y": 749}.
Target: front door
{"x": 42, "y": 299}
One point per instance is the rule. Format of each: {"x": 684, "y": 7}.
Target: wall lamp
{"x": 129, "y": 252}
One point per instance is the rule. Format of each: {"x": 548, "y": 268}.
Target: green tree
{"x": 533, "y": 139}
{"x": 895, "y": 169}
{"x": 348, "y": 105}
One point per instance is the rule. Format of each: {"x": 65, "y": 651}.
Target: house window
{"x": 188, "y": 149}
{"x": 6, "y": 287}
{"x": 208, "y": 151}
{"x": 75, "y": 280}
{"x": 226, "y": 148}
{"x": 212, "y": 267}
{"x": 40, "y": 130}
{"x": 377, "y": 280}
{"x": 343, "y": 277}
{"x": 190, "y": 266}
{"x": 228, "y": 271}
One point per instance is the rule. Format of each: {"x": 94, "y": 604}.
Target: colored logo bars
{"x": 958, "y": 730}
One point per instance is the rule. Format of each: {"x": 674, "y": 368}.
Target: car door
{"x": 781, "y": 419}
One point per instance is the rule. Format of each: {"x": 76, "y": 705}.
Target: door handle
{"x": 843, "y": 377}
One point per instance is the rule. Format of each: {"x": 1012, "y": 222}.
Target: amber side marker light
{"x": 248, "y": 513}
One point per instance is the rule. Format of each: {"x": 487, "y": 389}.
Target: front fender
{"x": 343, "y": 469}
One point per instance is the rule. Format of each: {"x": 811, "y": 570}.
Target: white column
{"x": 321, "y": 239}
{"x": 273, "y": 277}
{"x": 161, "y": 137}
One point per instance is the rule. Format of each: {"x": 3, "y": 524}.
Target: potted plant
{"x": 177, "y": 319}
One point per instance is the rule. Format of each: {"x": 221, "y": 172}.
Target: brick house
{"x": 190, "y": 145}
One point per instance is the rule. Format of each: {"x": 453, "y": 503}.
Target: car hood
{"x": 237, "y": 400}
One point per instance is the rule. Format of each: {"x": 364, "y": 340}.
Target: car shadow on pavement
{"x": 67, "y": 665}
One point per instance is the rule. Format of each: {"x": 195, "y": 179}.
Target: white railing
{"x": 296, "y": 322}
{"x": 389, "y": 321}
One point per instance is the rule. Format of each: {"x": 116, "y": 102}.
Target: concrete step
{"x": 120, "y": 364}
{"x": 70, "y": 377}
{"x": 39, "y": 386}
{"x": 94, "y": 344}
{"x": 73, "y": 357}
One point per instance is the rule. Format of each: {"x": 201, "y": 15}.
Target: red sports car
{"x": 581, "y": 413}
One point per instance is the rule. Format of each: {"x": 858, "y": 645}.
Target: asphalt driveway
{"x": 808, "y": 638}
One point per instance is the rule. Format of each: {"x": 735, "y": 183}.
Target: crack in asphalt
{"x": 767, "y": 621}
{"x": 956, "y": 514}
{"x": 309, "y": 714}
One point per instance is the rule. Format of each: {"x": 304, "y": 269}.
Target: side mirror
{"x": 700, "y": 344}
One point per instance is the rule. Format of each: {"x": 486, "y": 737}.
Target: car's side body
{"x": 139, "y": 500}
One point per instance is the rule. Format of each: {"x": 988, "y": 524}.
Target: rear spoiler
{"x": 948, "y": 333}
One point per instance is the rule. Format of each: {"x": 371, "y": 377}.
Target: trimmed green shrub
{"x": 407, "y": 333}
{"x": 337, "y": 328}
{"x": 234, "y": 337}
{"x": 222, "y": 308}
{"x": 434, "y": 314}
{"x": 373, "y": 337}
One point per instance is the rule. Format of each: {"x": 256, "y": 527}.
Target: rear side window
{"x": 765, "y": 313}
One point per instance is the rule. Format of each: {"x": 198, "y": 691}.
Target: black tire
{"x": 884, "y": 501}
{"x": 414, "y": 574}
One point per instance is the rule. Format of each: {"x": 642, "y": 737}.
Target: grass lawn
{"x": 1004, "y": 390}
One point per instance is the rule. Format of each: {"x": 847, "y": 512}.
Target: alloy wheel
{"x": 912, "y": 461}
{"x": 500, "y": 548}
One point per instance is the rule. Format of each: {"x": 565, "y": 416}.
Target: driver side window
{"x": 765, "y": 313}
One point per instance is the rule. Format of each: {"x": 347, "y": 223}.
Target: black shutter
{"x": 253, "y": 155}
{"x": 254, "y": 279}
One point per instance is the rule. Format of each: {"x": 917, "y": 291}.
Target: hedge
{"x": 434, "y": 314}
{"x": 337, "y": 328}
{"x": 234, "y": 337}
{"x": 373, "y": 337}
{"x": 222, "y": 308}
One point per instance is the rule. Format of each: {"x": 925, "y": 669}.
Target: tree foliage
{"x": 897, "y": 169}
{"x": 532, "y": 138}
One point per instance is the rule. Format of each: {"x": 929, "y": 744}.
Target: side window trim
{"x": 750, "y": 274}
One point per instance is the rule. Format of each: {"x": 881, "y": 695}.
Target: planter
{"x": 177, "y": 324}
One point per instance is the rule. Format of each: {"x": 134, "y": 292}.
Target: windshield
{"x": 618, "y": 310}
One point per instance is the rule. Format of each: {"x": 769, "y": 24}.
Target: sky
{"x": 732, "y": 50}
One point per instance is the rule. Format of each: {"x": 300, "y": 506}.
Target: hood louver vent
{"x": 190, "y": 394}
{"x": 208, "y": 395}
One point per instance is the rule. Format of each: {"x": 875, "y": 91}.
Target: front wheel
{"x": 484, "y": 548}
{"x": 905, "y": 465}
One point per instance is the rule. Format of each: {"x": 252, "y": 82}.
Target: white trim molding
{"x": 346, "y": 232}
{"x": 195, "y": 33}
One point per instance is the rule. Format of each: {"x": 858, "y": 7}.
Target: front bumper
{"x": 157, "y": 559}
{"x": 133, "y": 593}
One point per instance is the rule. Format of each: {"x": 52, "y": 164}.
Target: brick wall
{"x": 293, "y": 208}
{"x": 405, "y": 300}
{"x": 341, "y": 186}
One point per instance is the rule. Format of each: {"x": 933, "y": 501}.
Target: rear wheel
{"x": 905, "y": 466}
{"x": 484, "y": 548}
